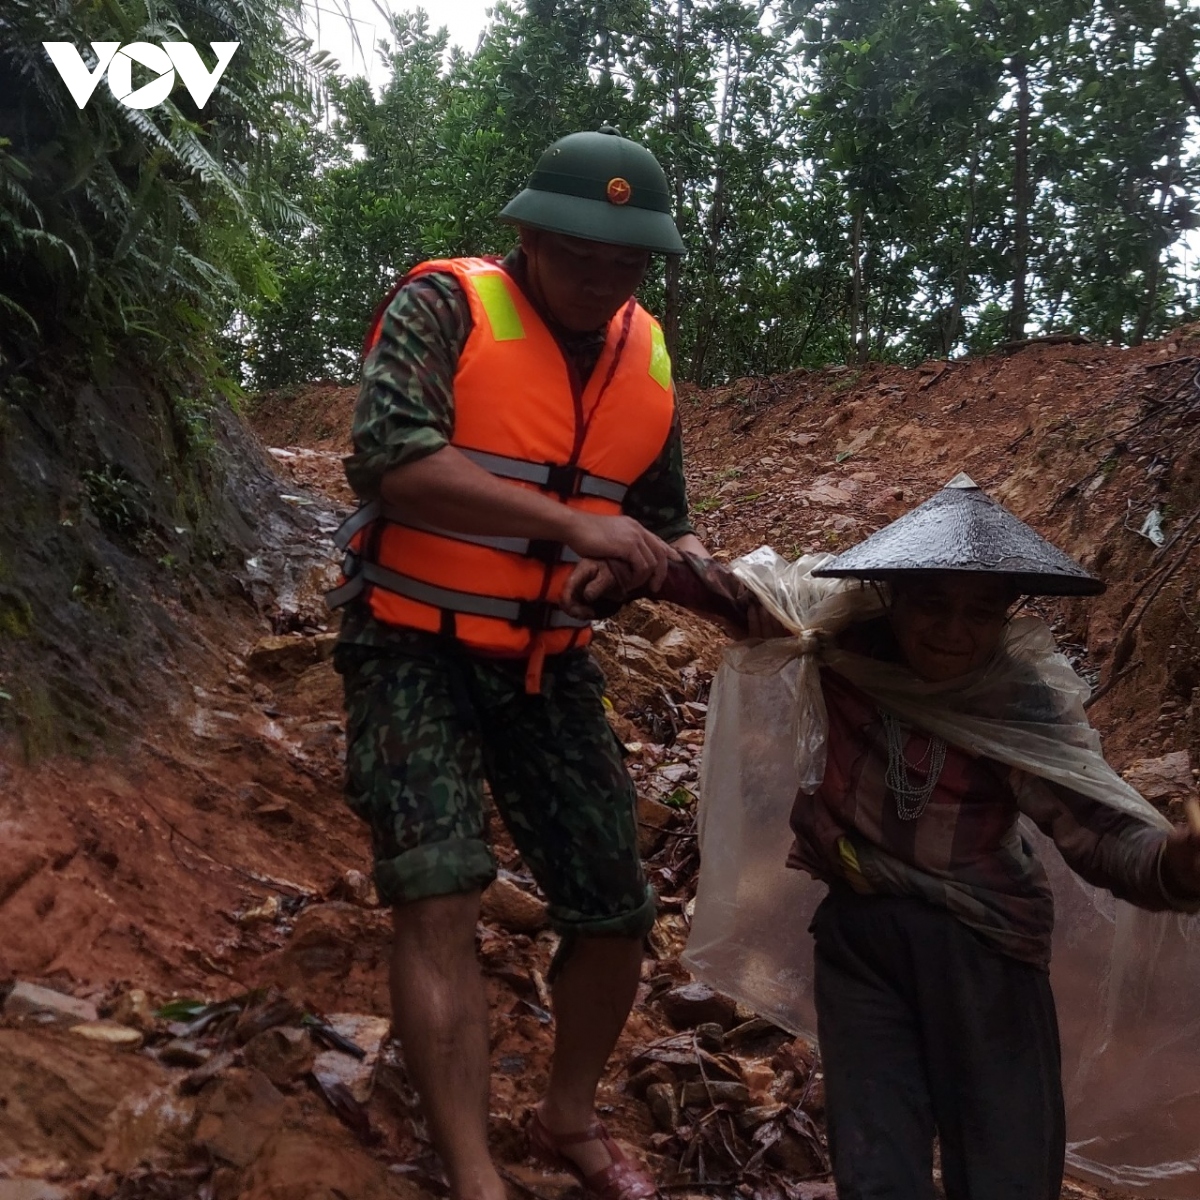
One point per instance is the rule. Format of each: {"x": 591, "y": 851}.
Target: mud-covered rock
{"x": 287, "y": 654}
{"x": 1162, "y": 778}
{"x": 356, "y": 1075}
{"x": 693, "y": 1004}
{"x": 237, "y": 1115}
{"x": 663, "y": 1102}
{"x": 282, "y": 1054}
{"x": 300, "y": 1164}
{"x": 511, "y": 907}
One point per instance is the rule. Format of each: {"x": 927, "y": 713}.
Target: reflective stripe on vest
{"x": 529, "y": 614}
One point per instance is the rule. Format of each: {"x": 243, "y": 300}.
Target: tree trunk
{"x": 856, "y": 288}
{"x": 1154, "y": 266}
{"x": 674, "y": 265}
{"x": 950, "y": 332}
{"x": 1018, "y": 313}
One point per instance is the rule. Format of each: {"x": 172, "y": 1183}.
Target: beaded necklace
{"x": 911, "y": 798}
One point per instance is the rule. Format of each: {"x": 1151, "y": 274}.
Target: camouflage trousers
{"x": 427, "y": 724}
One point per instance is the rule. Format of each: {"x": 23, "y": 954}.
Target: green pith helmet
{"x": 602, "y": 187}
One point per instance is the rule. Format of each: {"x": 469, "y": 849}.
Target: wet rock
{"x": 272, "y": 1010}
{"x": 66, "y": 1099}
{"x": 678, "y": 648}
{"x": 694, "y": 1004}
{"x": 357, "y": 1075}
{"x": 284, "y": 655}
{"x": 640, "y": 1081}
{"x": 283, "y": 1055}
{"x": 237, "y": 1116}
{"x": 1162, "y": 778}
{"x": 700, "y": 1093}
{"x": 750, "y": 1119}
{"x": 42, "y": 1006}
{"x": 323, "y": 942}
{"x": 511, "y": 907}
{"x": 663, "y": 1103}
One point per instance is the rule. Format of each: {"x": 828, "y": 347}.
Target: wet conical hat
{"x": 962, "y": 529}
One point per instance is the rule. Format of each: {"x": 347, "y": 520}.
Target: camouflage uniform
{"x": 428, "y": 722}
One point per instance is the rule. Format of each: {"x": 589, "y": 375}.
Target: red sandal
{"x": 622, "y": 1179}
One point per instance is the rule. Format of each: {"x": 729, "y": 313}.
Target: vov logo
{"x": 118, "y": 61}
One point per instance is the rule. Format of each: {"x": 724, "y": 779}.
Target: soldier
{"x": 514, "y": 417}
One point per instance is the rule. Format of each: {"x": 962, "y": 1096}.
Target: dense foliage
{"x": 853, "y": 178}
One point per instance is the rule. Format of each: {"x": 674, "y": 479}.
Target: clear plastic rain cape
{"x": 1127, "y": 982}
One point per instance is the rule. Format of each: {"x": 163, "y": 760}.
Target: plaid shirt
{"x": 405, "y": 411}
{"x": 966, "y": 851}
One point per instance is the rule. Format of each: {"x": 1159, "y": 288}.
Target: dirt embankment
{"x": 212, "y": 860}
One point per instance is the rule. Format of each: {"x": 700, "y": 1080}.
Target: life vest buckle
{"x": 565, "y": 480}
{"x": 351, "y": 564}
{"x": 545, "y": 551}
{"x": 535, "y": 614}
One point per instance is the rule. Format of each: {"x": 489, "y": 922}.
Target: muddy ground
{"x": 210, "y": 862}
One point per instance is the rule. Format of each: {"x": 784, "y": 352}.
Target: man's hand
{"x": 1181, "y": 855}
{"x": 631, "y": 553}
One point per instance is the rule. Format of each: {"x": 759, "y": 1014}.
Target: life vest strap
{"x": 565, "y": 480}
{"x": 541, "y": 549}
{"x": 530, "y": 614}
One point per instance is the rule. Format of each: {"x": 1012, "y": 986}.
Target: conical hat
{"x": 962, "y": 529}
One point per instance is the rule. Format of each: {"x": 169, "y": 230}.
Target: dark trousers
{"x": 925, "y": 1029}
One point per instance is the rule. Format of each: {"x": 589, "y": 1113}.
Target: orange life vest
{"x": 519, "y": 414}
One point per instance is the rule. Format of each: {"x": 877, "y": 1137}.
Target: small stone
{"x": 693, "y": 1004}
{"x": 750, "y": 1119}
{"x": 109, "y": 1032}
{"x": 358, "y": 889}
{"x": 282, "y": 1054}
{"x": 355, "y": 1074}
{"x": 758, "y": 1077}
{"x": 182, "y": 1053}
{"x": 814, "y": 1099}
{"x": 664, "y": 1106}
{"x": 511, "y": 907}
{"x": 639, "y": 1083}
{"x": 134, "y": 1008}
{"x": 704, "y": 1094}
{"x": 678, "y": 648}
{"x": 654, "y": 818}
{"x": 46, "y": 1007}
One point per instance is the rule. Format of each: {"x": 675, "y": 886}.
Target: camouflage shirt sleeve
{"x": 657, "y": 499}
{"x": 405, "y": 407}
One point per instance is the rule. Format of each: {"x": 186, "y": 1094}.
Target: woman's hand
{"x": 1181, "y": 855}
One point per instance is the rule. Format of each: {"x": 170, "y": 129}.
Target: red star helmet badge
{"x": 618, "y": 190}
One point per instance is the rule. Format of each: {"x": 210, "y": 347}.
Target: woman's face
{"x": 948, "y": 624}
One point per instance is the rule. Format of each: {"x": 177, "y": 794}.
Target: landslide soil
{"x": 211, "y": 855}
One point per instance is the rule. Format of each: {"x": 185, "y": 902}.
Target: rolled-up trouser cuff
{"x": 633, "y": 924}
{"x": 441, "y": 869}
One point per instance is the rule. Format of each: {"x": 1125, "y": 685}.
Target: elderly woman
{"x": 935, "y": 1015}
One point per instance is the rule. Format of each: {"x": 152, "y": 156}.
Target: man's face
{"x": 948, "y": 625}
{"x": 582, "y": 284}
